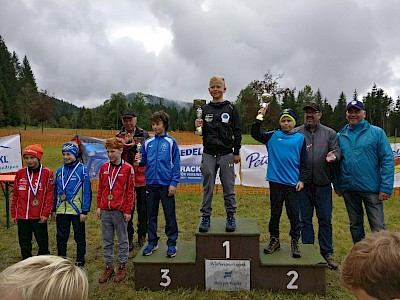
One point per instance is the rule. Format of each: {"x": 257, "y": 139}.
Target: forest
{"x": 23, "y": 104}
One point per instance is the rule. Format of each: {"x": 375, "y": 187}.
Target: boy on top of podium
{"x": 286, "y": 173}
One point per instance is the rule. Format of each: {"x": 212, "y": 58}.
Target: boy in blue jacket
{"x": 286, "y": 173}
{"x": 72, "y": 200}
{"x": 160, "y": 155}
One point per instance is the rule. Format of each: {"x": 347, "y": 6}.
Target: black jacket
{"x": 222, "y": 133}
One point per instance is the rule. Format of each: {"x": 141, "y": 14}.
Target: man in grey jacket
{"x": 323, "y": 150}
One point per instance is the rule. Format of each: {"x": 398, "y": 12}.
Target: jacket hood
{"x": 219, "y": 104}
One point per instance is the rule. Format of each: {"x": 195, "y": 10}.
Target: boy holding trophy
{"x": 222, "y": 138}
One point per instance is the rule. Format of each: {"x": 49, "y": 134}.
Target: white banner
{"x": 10, "y": 154}
{"x": 254, "y": 161}
{"x": 396, "y": 154}
{"x": 191, "y": 162}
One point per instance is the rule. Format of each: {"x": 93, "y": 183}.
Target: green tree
{"x": 377, "y": 106}
{"x": 42, "y": 108}
{"x": 339, "y": 113}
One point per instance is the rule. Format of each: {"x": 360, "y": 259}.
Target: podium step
{"x": 279, "y": 271}
{"x": 158, "y": 272}
{"x": 219, "y": 244}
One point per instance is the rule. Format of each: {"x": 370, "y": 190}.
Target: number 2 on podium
{"x": 291, "y": 285}
{"x": 227, "y": 244}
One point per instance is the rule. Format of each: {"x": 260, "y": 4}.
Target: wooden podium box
{"x": 278, "y": 271}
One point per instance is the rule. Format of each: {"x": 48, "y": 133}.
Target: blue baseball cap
{"x": 355, "y": 103}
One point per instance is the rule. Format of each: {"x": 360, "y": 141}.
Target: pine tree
{"x": 339, "y": 113}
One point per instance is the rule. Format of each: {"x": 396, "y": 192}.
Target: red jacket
{"x": 22, "y": 203}
{"x": 123, "y": 190}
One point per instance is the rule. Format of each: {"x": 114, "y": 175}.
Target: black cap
{"x": 313, "y": 106}
{"x": 127, "y": 113}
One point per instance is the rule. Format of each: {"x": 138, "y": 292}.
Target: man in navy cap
{"x": 366, "y": 171}
{"x": 128, "y": 133}
{"x": 323, "y": 150}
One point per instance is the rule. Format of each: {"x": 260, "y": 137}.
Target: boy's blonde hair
{"x": 44, "y": 277}
{"x": 217, "y": 78}
{"x": 114, "y": 143}
{"x": 373, "y": 265}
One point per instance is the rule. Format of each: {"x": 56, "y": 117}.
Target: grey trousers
{"x": 113, "y": 221}
{"x": 209, "y": 168}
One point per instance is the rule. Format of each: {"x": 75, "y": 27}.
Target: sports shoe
{"x": 205, "y": 224}
{"x": 230, "y": 224}
{"x": 294, "y": 246}
{"x": 120, "y": 273}
{"x": 149, "y": 249}
{"x": 273, "y": 245}
{"x": 107, "y": 274}
{"x": 332, "y": 264}
{"x": 171, "y": 252}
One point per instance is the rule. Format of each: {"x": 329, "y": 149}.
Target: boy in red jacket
{"x": 32, "y": 201}
{"x": 115, "y": 198}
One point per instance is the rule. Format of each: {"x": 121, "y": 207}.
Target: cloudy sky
{"x": 82, "y": 51}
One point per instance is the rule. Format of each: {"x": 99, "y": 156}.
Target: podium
{"x": 231, "y": 261}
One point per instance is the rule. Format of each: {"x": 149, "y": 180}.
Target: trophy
{"x": 264, "y": 102}
{"x": 198, "y": 103}
{"x": 138, "y": 141}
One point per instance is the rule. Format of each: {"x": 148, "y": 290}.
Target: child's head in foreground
{"x": 371, "y": 270}
{"x": 44, "y": 277}
{"x": 114, "y": 147}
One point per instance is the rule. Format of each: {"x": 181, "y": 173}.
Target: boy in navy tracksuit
{"x": 287, "y": 167}
{"x": 161, "y": 156}
{"x": 72, "y": 199}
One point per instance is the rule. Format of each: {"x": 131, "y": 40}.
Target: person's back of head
{"x": 373, "y": 266}
{"x": 44, "y": 277}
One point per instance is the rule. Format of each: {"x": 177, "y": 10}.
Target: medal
{"x": 35, "y": 190}
{"x": 111, "y": 180}
{"x": 63, "y": 197}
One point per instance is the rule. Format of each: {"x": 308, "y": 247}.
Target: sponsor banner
{"x": 227, "y": 275}
{"x": 93, "y": 153}
{"x": 10, "y": 154}
{"x": 254, "y": 161}
{"x": 396, "y": 154}
{"x": 191, "y": 162}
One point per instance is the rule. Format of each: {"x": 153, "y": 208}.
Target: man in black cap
{"x": 323, "y": 150}
{"x": 128, "y": 132}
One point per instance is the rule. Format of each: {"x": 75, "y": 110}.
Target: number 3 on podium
{"x": 164, "y": 275}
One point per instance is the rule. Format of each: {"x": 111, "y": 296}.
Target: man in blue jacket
{"x": 366, "y": 171}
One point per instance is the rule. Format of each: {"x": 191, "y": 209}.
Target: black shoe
{"x": 230, "y": 224}
{"x": 295, "y": 249}
{"x": 205, "y": 224}
{"x": 273, "y": 245}
{"x": 332, "y": 264}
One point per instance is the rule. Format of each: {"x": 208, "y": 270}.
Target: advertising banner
{"x": 10, "y": 154}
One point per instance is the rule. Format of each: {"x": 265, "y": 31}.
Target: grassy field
{"x": 249, "y": 206}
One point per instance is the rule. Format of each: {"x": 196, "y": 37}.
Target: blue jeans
{"x": 153, "y": 196}
{"x": 373, "y": 207}
{"x": 320, "y": 198}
